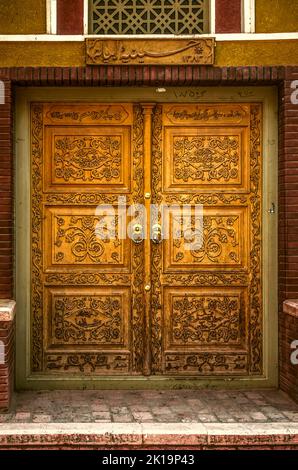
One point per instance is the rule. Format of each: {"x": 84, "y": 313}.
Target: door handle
{"x": 137, "y": 234}
{"x": 156, "y": 234}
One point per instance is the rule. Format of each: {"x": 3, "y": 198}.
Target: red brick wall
{"x": 6, "y": 196}
{"x": 289, "y": 371}
{"x": 288, "y": 228}
{"x": 7, "y": 369}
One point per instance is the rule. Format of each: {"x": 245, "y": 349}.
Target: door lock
{"x": 137, "y": 234}
{"x": 156, "y": 234}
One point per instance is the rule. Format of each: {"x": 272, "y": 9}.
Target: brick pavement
{"x": 167, "y": 406}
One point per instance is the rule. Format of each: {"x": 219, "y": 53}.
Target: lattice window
{"x": 148, "y": 16}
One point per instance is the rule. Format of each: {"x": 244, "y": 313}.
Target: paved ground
{"x": 182, "y": 406}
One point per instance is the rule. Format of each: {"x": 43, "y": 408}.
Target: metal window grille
{"x": 117, "y": 17}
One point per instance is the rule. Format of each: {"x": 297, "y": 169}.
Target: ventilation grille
{"x": 148, "y": 17}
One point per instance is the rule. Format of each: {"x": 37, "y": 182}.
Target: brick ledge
{"x": 7, "y": 310}
{"x": 291, "y": 307}
{"x": 153, "y": 435}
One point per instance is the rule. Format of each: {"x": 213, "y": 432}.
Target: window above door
{"x": 148, "y": 17}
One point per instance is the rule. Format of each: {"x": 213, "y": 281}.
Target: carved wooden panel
{"x": 209, "y": 159}
{"x": 98, "y": 317}
{"x": 209, "y": 114}
{"x": 84, "y": 114}
{"x": 223, "y": 240}
{"x": 87, "y": 309}
{"x": 206, "y": 364}
{"x": 81, "y": 156}
{"x": 205, "y": 317}
{"x": 78, "y": 238}
{"x": 89, "y": 312}
{"x": 207, "y": 296}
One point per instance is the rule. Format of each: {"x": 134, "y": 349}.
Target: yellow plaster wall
{"x": 29, "y": 16}
{"x": 68, "y": 54}
{"x": 276, "y": 16}
{"x": 22, "y": 16}
{"x": 257, "y": 53}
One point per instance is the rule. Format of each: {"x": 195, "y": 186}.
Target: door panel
{"x": 84, "y": 156}
{"x": 115, "y": 307}
{"x": 224, "y": 243}
{"x": 206, "y": 301}
{"x": 87, "y": 292}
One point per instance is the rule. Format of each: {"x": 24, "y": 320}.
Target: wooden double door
{"x": 119, "y": 305}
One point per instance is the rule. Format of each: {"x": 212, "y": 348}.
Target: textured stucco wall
{"x": 276, "y": 16}
{"x": 22, "y": 16}
{"x": 68, "y": 54}
{"x": 29, "y": 16}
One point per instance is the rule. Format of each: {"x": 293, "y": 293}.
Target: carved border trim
{"x": 255, "y": 328}
{"x": 156, "y": 304}
{"x": 138, "y": 250}
{"x": 36, "y": 237}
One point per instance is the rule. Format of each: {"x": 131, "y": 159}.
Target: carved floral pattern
{"x": 88, "y": 363}
{"x": 80, "y": 233}
{"x": 219, "y": 242}
{"x": 205, "y": 320}
{"x": 205, "y": 279}
{"x": 156, "y": 253}
{"x": 228, "y": 235}
{"x": 207, "y": 363}
{"x": 88, "y": 159}
{"x": 256, "y": 318}
{"x": 207, "y": 199}
{"x": 204, "y": 363}
{"x": 36, "y": 250}
{"x": 206, "y": 158}
{"x": 92, "y": 199}
{"x": 138, "y": 261}
{"x": 88, "y": 319}
{"x": 86, "y": 279}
